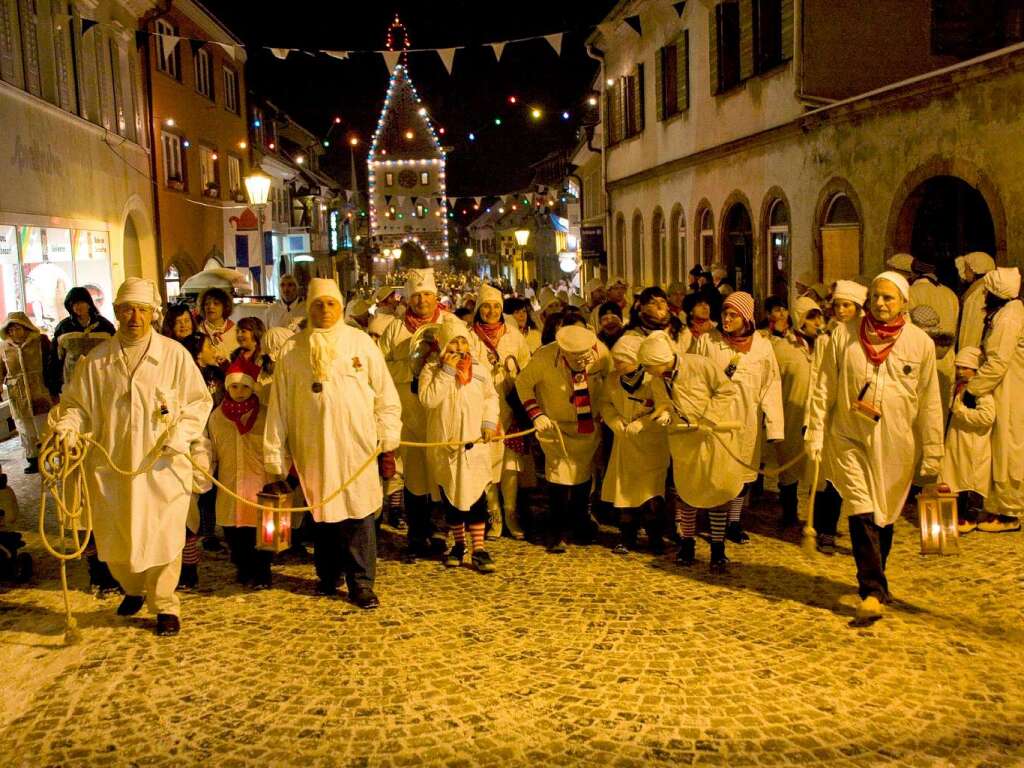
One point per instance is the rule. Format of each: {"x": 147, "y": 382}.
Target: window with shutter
{"x": 748, "y": 32}
{"x": 683, "y": 70}
{"x": 90, "y": 83}
{"x": 659, "y": 85}
{"x": 62, "y": 60}
{"x": 9, "y": 70}
{"x": 116, "y": 88}
{"x": 668, "y": 81}
{"x": 725, "y": 69}
{"x": 634, "y": 102}
{"x": 29, "y": 11}
{"x": 767, "y": 33}
{"x": 106, "y": 80}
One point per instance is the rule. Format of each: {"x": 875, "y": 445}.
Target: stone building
{"x": 809, "y": 139}
{"x": 76, "y": 203}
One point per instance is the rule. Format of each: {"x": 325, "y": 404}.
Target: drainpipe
{"x": 150, "y": 16}
{"x": 598, "y": 55}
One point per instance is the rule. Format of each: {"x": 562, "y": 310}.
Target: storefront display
{"x": 38, "y": 265}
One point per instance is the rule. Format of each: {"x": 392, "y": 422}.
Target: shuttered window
{"x": 672, "y": 77}
{"x": 624, "y": 106}
{"x": 29, "y": 12}
{"x": 724, "y": 50}
{"x": 634, "y": 85}
{"x": 9, "y": 69}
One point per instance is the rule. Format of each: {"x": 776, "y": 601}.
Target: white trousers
{"x": 158, "y": 584}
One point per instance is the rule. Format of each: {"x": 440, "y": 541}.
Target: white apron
{"x": 639, "y": 463}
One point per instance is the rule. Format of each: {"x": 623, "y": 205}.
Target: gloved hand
{"x": 386, "y": 465}
{"x": 387, "y": 446}
{"x": 663, "y": 419}
{"x": 66, "y": 435}
{"x": 812, "y": 449}
{"x": 617, "y": 425}
{"x": 635, "y": 427}
{"x": 487, "y": 434}
{"x": 544, "y": 425}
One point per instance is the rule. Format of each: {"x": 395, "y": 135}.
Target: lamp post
{"x": 257, "y": 187}
{"x": 522, "y": 238}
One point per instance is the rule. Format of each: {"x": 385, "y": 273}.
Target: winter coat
{"x": 224, "y": 342}
{"x": 548, "y": 381}
{"x": 972, "y": 315}
{"x": 760, "y": 395}
{"x": 504, "y": 366}
{"x": 1002, "y": 376}
{"x": 330, "y": 434}
{"x": 699, "y": 393}
{"x": 139, "y": 521}
{"x": 796, "y": 360}
{"x": 638, "y": 465}
{"x": 24, "y": 374}
{"x": 239, "y": 462}
{"x": 873, "y": 463}
{"x": 967, "y": 464}
{"x": 459, "y": 413}
{"x": 72, "y": 341}
{"x": 281, "y": 315}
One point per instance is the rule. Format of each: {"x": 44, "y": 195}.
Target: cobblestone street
{"x": 584, "y": 659}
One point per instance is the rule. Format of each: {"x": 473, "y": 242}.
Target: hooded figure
{"x": 24, "y": 353}
{"x": 973, "y": 267}
{"x": 926, "y": 290}
{"x": 76, "y": 334}
{"x": 1002, "y": 376}
{"x": 967, "y": 463}
{"x": 927, "y": 319}
{"x": 877, "y": 411}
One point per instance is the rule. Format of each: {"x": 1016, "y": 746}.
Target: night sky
{"x": 316, "y": 89}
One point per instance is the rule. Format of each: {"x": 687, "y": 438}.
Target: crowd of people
{"x": 648, "y": 411}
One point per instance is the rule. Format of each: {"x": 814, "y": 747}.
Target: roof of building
{"x": 404, "y": 129}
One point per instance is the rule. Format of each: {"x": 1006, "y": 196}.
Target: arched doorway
{"x": 412, "y": 255}
{"x": 738, "y": 248}
{"x": 659, "y": 247}
{"x": 132, "y": 249}
{"x": 840, "y": 239}
{"x": 637, "y": 265}
{"x": 777, "y": 241}
{"x": 705, "y": 235}
{"x": 677, "y": 239}
{"x": 942, "y": 218}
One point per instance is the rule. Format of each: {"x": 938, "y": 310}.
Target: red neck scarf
{"x": 413, "y": 323}
{"x": 244, "y": 414}
{"x": 700, "y": 327}
{"x": 742, "y": 341}
{"x": 490, "y": 334}
{"x": 217, "y": 335}
{"x": 877, "y": 339}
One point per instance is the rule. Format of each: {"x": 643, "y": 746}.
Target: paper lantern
{"x": 936, "y": 511}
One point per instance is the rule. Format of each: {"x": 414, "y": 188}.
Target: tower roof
{"x": 404, "y": 130}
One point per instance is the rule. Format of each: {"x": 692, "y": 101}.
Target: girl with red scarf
{"x": 235, "y": 430}
{"x": 747, "y": 358}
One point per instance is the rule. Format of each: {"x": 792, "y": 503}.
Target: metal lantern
{"x": 275, "y": 526}
{"x": 937, "y": 513}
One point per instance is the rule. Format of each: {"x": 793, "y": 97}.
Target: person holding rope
{"x": 333, "y": 408}
{"x": 877, "y": 411}
{"x": 144, "y": 402}
{"x": 405, "y": 364}
{"x": 558, "y": 389}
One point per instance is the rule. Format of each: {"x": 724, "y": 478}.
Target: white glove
{"x": 617, "y": 425}
{"x": 813, "y": 451}
{"x": 706, "y": 428}
{"x": 635, "y": 427}
{"x": 930, "y": 468}
{"x": 67, "y": 435}
{"x": 663, "y": 419}
{"x": 543, "y": 424}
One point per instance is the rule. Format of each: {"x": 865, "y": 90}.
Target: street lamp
{"x": 522, "y": 238}
{"x": 469, "y": 253}
{"x": 257, "y": 186}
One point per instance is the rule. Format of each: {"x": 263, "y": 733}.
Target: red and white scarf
{"x": 242, "y": 414}
{"x": 580, "y": 398}
{"x": 216, "y": 335}
{"x": 413, "y": 323}
{"x": 490, "y": 334}
{"x": 877, "y": 338}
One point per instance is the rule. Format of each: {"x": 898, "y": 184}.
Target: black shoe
{"x": 620, "y": 549}
{"x": 365, "y": 598}
{"x": 686, "y": 554}
{"x": 326, "y": 589}
{"x": 167, "y": 625}
{"x": 719, "y": 562}
{"x": 826, "y": 544}
{"x": 483, "y": 561}
{"x": 32, "y": 468}
{"x": 131, "y": 605}
{"x": 416, "y": 550}
{"x": 263, "y": 579}
{"x": 734, "y": 532}
{"x": 656, "y": 545}
{"x": 557, "y": 548}
{"x": 453, "y": 558}
{"x": 189, "y": 578}
{"x": 212, "y": 544}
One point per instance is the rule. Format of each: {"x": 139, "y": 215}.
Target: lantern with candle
{"x": 275, "y": 523}
{"x": 936, "y": 511}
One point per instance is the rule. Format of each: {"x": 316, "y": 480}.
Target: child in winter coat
{"x": 967, "y": 463}
{"x": 461, "y": 406}
{"x": 24, "y": 358}
{"x": 236, "y": 433}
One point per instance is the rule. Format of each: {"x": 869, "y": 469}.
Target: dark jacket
{"x": 78, "y": 340}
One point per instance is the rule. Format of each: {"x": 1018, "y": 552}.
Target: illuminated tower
{"x": 406, "y": 172}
